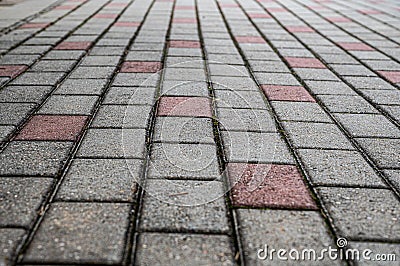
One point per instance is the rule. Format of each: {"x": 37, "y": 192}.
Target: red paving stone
{"x": 393, "y": 76}
{"x": 355, "y": 46}
{"x": 126, "y": 24}
{"x": 276, "y": 9}
{"x": 287, "y": 93}
{"x": 228, "y": 5}
{"x": 184, "y": 106}
{"x": 12, "y": 70}
{"x": 268, "y": 185}
{"x": 299, "y": 29}
{"x": 259, "y": 15}
{"x": 249, "y": 39}
{"x": 140, "y": 67}
{"x": 106, "y": 15}
{"x": 316, "y": 7}
{"x": 73, "y": 46}
{"x": 338, "y": 19}
{"x": 34, "y": 25}
{"x": 52, "y": 127}
{"x": 303, "y": 62}
{"x": 184, "y": 20}
{"x": 117, "y": 5}
{"x": 184, "y": 44}
{"x": 369, "y": 12}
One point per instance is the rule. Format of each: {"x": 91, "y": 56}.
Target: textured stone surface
{"x": 73, "y": 232}
{"x": 9, "y": 240}
{"x": 184, "y": 106}
{"x": 382, "y": 151}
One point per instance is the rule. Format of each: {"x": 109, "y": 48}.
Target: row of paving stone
{"x": 78, "y": 121}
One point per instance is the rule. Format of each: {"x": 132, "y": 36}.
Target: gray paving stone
{"x": 394, "y": 177}
{"x": 316, "y": 135}
{"x": 144, "y": 56}
{"x": 391, "y": 97}
{"x": 369, "y": 83}
{"x": 382, "y": 65}
{"x": 353, "y": 70}
{"x": 34, "y": 94}
{"x": 377, "y": 249}
{"x": 66, "y": 55}
{"x": 183, "y": 129}
{"x": 226, "y": 59}
{"x": 300, "y": 111}
{"x": 383, "y": 151}
{"x": 68, "y": 104}
{"x": 393, "y": 111}
{"x": 130, "y": 95}
{"x": 234, "y": 83}
{"x": 75, "y": 233}
{"x": 122, "y": 116}
{"x": 14, "y": 113}
{"x": 282, "y": 229}
{"x": 107, "y": 51}
{"x": 13, "y": 59}
{"x": 136, "y": 80}
{"x": 82, "y": 86}
{"x": 255, "y": 147}
{"x": 347, "y": 104}
{"x": 31, "y": 158}
{"x": 363, "y": 213}
{"x": 368, "y": 125}
{"x": 185, "y": 52}
{"x": 185, "y": 74}
{"x": 101, "y": 180}
{"x": 277, "y": 79}
{"x": 316, "y": 74}
{"x": 9, "y": 240}
{"x": 41, "y": 78}
{"x": 113, "y": 143}
{"x": 246, "y": 120}
{"x": 177, "y": 206}
{"x": 226, "y": 70}
{"x": 91, "y": 72}
{"x": 239, "y": 99}
{"x": 184, "y": 161}
{"x": 30, "y": 49}
{"x": 53, "y": 66}
{"x": 5, "y": 132}
{"x": 93, "y": 60}
{"x": 21, "y": 198}
{"x": 184, "y": 249}
{"x": 268, "y": 66}
{"x": 329, "y": 87}
{"x": 339, "y": 168}
{"x": 184, "y": 88}
{"x": 342, "y": 58}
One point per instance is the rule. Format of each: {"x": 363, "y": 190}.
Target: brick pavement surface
{"x": 200, "y": 132}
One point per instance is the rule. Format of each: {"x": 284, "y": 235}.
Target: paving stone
{"x": 177, "y": 206}
{"x": 278, "y": 79}
{"x": 382, "y": 151}
{"x": 295, "y": 29}
{"x": 368, "y": 125}
{"x": 287, "y": 93}
{"x": 73, "y": 233}
{"x": 300, "y": 111}
{"x": 130, "y": 95}
{"x": 31, "y": 158}
{"x": 394, "y": 177}
{"x": 239, "y": 99}
{"x": 347, "y": 104}
{"x": 304, "y": 62}
{"x": 38, "y": 79}
{"x": 184, "y": 74}
{"x": 232, "y": 71}
{"x": 136, "y": 80}
{"x": 329, "y": 87}
{"x": 12, "y": 71}
{"x": 122, "y": 116}
{"x": 268, "y": 185}
{"x": 369, "y": 83}
{"x": 376, "y": 248}
{"x": 245, "y": 120}
{"x": 316, "y": 74}
{"x": 52, "y": 127}
{"x": 184, "y": 20}
{"x": 383, "y": 96}
{"x": 184, "y": 44}
{"x": 21, "y": 199}
{"x": 392, "y": 76}
{"x": 94, "y": 60}
{"x": 353, "y": 46}
{"x": 9, "y": 241}
{"x": 184, "y": 249}
{"x": 184, "y": 88}
{"x": 184, "y": 161}
{"x": 255, "y": 147}
{"x": 82, "y": 86}
{"x": 67, "y": 55}
{"x": 282, "y": 229}
{"x": 14, "y": 113}
{"x": 145, "y": 56}
{"x": 234, "y": 83}
{"x": 101, "y": 180}
{"x": 353, "y": 70}
{"x": 5, "y": 132}
{"x": 68, "y": 104}
{"x": 183, "y": 129}
{"x": 363, "y": 213}
{"x": 73, "y": 46}
{"x": 250, "y": 39}
{"x": 184, "y": 106}
{"x": 53, "y": 66}
{"x": 316, "y": 135}
{"x": 92, "y": 72}
{"x": 113, "y": 143}
{"x": 126, "y": 24}
{"x": 339, "y": 168}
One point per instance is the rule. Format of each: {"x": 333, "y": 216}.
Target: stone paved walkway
{"x": 199, "y": 132}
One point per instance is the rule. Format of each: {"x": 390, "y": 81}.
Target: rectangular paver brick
{"x": 73, "y": 46}
{"x": 184, "y": 106}
{"x": 140, "y": 67}
{"x": 354, "y": 46}
{"x": 12, "y": 71}
{"x": 304, "y": 62}
{"x": 287, "y": 93}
